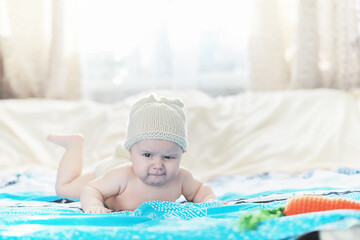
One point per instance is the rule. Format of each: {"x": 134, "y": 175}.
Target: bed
{"x": 256, "y": 150}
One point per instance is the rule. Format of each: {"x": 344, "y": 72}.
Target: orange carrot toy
{"x": 297, "y": 205}
{"x": 306, "y": 204}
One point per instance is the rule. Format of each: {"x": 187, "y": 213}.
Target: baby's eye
{"x": 169, "y": 157}
{"x": 147, "y": 155}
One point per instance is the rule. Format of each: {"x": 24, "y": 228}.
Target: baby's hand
{"x": 97, "y": 210}
{"x": 215, "y": 200}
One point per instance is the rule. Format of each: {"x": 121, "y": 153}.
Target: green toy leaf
{"x": 249, "y": 221}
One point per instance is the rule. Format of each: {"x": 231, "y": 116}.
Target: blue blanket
{"x": 35, "y": 215}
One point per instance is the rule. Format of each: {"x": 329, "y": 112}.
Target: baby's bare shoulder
{"x": 123, "y": 170}
{"x": 124, "y": 167}
{"x": 185, "y": 173}
{"x": 115, "y": 180}
{"x": 184, "y": 170}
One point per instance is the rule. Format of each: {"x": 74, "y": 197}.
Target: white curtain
{"x": 135, "y": 45}
{"x": 305, "y": 44}
{"x": 38, "y": 56}
{"x": 211, "y": 45}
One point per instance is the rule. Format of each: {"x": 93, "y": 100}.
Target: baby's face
{"x": 156, "y": 162}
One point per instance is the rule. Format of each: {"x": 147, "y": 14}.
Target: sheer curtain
{"x": 305, "y": 44}
{"x": 181, "y": 44}
{"x": 219, "y": 46}
{"x": 38, "y": 56}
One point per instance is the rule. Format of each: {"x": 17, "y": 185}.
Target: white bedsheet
{"x": 247, "y": 133}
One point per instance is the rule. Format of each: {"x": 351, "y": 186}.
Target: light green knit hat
{"x": 156, "y": 118}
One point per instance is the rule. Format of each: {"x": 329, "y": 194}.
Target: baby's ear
{"x": 183, "y": 151}
{"x": 130, "y": 155}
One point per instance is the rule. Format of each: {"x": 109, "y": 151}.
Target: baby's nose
{"x": 158, "y": 164}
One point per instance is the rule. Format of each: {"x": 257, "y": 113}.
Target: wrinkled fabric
{"x": 247, "y": 133}
{"x": 29, "y": 209}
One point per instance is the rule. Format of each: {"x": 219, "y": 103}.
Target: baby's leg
{"x": 69, "y": 181}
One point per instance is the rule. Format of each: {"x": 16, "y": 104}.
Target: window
{"x": 128, "y": 46}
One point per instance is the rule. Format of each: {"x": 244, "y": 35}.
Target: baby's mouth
{"x": 157, "y": 174}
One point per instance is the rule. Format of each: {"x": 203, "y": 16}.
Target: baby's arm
{"x": 94, "y": 195}
{"x": 92, "y": 200}
{"x": 195, "y": 190}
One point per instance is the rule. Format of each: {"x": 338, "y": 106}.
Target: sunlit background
{"x": 129, "y": 46}
{"x": 106, "y": 50}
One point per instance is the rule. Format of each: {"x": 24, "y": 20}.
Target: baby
{"x": 156, "y": 140}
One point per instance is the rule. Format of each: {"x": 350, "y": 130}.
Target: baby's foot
{"x": 66, "y": 141}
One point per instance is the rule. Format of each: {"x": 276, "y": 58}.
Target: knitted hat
{"x": 156, "y": 118}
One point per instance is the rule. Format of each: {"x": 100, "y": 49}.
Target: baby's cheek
{"x": 140, "y": 171}
{"x": 172, "y": 172}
